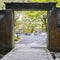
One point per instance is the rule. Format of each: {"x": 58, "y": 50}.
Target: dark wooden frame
{"x": 30, "y": 6}
{"x": 53, "y": 32}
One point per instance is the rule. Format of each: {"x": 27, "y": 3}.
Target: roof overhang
{"x": 30, "y": 6}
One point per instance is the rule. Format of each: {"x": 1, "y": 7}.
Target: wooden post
{"x": 6, "y": 31}
{"x": 53, "y": 31}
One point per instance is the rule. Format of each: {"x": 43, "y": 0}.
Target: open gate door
{"x": 6, "y": 31}
{"x": 53, "y": 30}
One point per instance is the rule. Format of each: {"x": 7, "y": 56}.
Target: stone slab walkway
{"x": 30, "y": 48}
{"x": 21, "y": 53}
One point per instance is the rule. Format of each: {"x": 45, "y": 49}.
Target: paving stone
{"x": 28, "y": 54}
{"x": 30, "y": 48}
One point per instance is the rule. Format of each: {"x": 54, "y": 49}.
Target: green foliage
{"x": 38, "y": 0}
{"x": 33, "y": 19}
{"x": 58, "y": 1}
{"x": 16, "y": 38}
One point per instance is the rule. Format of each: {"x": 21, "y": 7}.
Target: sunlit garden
{"x": 28, "y": 22}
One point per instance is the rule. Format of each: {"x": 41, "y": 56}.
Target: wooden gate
{"x": 6, "y": 31}
{"x": 6, "y": 24}
{"x": 54, "y": 30}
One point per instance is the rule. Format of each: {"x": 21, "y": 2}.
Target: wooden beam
{"x": 30, "y": 6}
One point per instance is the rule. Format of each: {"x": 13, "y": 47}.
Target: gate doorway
{"x": 31, "y": 28}
{"x": 51, "y": 17}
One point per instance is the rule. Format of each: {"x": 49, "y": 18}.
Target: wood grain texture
{"x": 6, "y": 31}
{"x": 54, "y": 32}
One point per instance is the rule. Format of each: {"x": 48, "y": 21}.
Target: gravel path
{"x": 33, "y": 40}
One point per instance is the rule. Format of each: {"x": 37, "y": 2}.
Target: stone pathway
{"x": 30, "y": 48}
{"x": 33, "y": 40}
{"x": 21, "y": 53}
